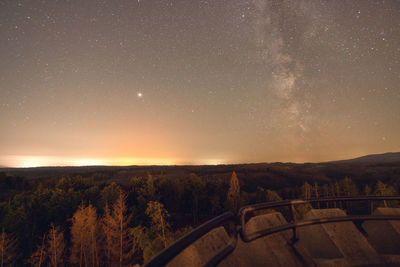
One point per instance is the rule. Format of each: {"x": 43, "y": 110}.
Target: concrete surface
{"x": 384, "y": 235}
{"x": 332, "y": 244}
{"x": 272, "y": 250}
{"x": 340, "y": 242}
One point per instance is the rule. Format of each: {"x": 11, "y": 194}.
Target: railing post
{"x": 371, "y": 206}
{"x": 294, "y": 237}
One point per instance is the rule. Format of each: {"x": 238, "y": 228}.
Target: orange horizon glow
{"x": 32, "y": 161}
{"x": 44, "y": 161}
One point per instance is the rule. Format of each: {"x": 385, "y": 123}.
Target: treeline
{"x": 80, "y": 223}
{"x": 155, "y": 211}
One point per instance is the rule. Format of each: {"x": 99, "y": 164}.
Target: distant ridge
{"x": 390, "y": 157}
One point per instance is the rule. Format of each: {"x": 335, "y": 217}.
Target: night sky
{"x": 197, "y": 82}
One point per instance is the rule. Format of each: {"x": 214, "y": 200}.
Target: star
{"x": 139, "y": 95}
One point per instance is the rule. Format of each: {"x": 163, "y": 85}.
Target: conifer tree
{"x": 108, "y": 225}
{"x": 78, "y": 237}
{"x": 84, "y": 237}
{"x": 38, "y": 258}
{"x": 118, "y": 237}
{"x": 233, "y": 197}
{"x": 7, "y": 249}
{"x": 92, "y": 228}
{"x": 150, "y": 190}
{"x": 55, "y": 246}
{"x": 158, "y": 215}
{"x": 367, "y": 190}
{"x": 325, "y": 192}
{"x": 195, "y": 185}
{"x": 272, "y": 195}
{"x": 382, "y": 189}
{"x": 348, "y": 188}
{"x": 306, "y": 190}
{"x": 316, "y": 190}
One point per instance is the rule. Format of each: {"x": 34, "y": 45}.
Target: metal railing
{"x": 236, "y": 225}
{"x": 294, "y": 225}
{"x": 227, "y": 219}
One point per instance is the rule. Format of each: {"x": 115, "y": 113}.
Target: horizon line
{"x": 146, "y": 162}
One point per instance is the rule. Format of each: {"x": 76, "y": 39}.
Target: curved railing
{"x": 226, "y": 219}
{"x": 249, "y": 210}
{"x": 235, "y": 225}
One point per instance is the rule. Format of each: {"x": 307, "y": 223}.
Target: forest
{"x": 119, "y": 216}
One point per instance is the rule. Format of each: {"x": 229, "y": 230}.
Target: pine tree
{"x": 39, "y": 257}
{"x": 306, "y": 190}
{"x": 118, "y": 237}
{"x": 158, "y": 215}
{"x": 77, "y": 237}
{"x": 382, "y": 189}
{"x": 233, "y": 197}
{"x": 7, "y": 249}
{"x": 195, "y": 185}
{"x": 55, "y": 246}
{"x": 316, "y": 192}
{"x": 92, "y": 231}
{"x": 325, "y": 193}
{"x": 348, "y": 188}
{"x": 84, "y": 237}
{"x": 150, "y": 190}
{"x": 272, "y": 196}
{"x": 306, "y": 193}
{"x": 108, "y": 225}
{"x": 367, "y": 190}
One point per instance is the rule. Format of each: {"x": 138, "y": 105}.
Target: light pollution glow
{"x": 197, "y": 82}
{"x": 38, "y": 161}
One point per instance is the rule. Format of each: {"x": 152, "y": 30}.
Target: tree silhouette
{"x": 194, "y": 187}
{"x": 233, "y": 197}
{"x": 348, "y": 188}
{"x": 7, "y": 249}
{"x": 118, "y": 237}
{"x": 382, "y": 189}
{"x": 51, "y": 250}
{"x": 84, "y": 237}
{"x": 39, "y": 256}
{"x": 306, "y": 190}
{"x": 158, "y": 236}
{"x": 367, "y": 190}
{"x": 158, "y": 215}
{"x": 55, "y": 246}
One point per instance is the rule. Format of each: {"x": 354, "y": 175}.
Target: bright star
{"x": 139, "y": 95}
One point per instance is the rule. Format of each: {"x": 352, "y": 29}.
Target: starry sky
{"x": 197, "y": 82}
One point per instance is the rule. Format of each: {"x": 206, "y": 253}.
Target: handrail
{"x": 292, "y": 203}
{"x": 256, "y": 235}
{"x": 170, "y": 252}
{"x": 270, "y": 205}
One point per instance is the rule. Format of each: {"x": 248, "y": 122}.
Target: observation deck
{"x": 341, "y": 231}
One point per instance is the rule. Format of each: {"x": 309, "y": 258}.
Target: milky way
{"x": 197, "y": 82}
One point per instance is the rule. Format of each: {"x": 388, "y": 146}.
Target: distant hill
{"x": 391, "y": 157}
